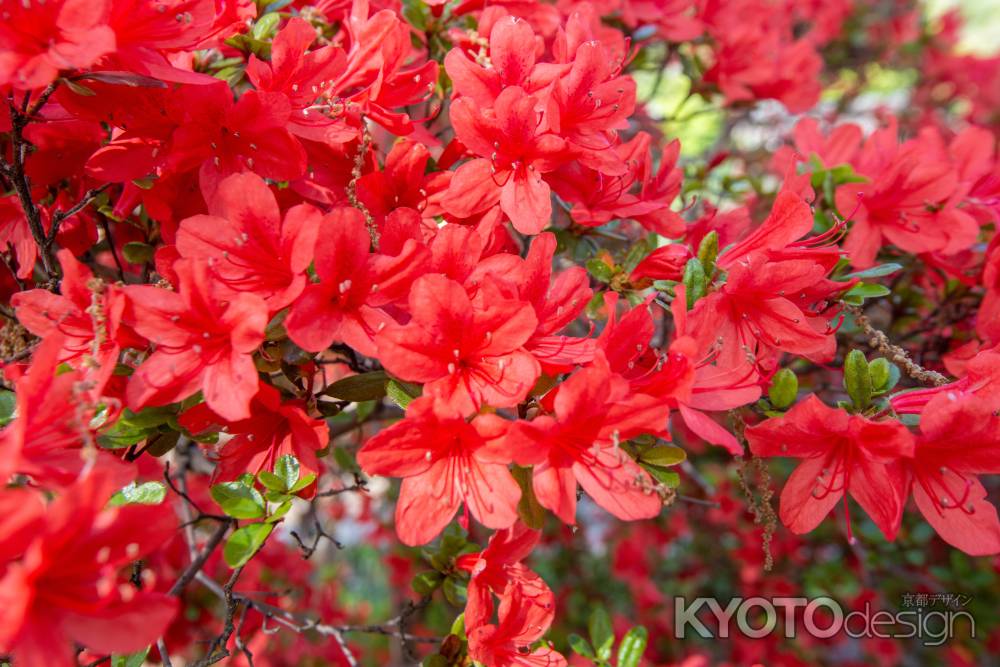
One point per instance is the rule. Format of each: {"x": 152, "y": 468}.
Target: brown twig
{"x": 879, "y": 341}
{"x": 199, "y": 562}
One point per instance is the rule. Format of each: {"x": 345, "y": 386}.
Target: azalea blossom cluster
{"x": 238, "y": 234}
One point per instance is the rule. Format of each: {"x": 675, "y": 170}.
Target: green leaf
{"x": 876, "y": 271}
{"x": 881, "y": 373}
{"x": 287, "y": 468}
{"x": 137, "y": 252}
{"x": 78, "y": 88}
{"x": 694, "y": 281}
{"x": 8, "y": 405}
{"x": 844, "y": 173}
{"x": 529, "y": 509}
{"x": 276, "y": 496}
{"x": 150, "y": 416}
{"x": 663, "y": 456}
{"x": 581, "y": 646}
{"x": 130, "y": 79}
{"x": 238, "y": 500}
{"x": 400, "y": 393}
{"x": 265, "y": 25}
{"x": 244, "y": 543}
{"x": 458, "y": 627}
{"x": 858, "y": 379}
{"x": 708, "y": 251}
{"x": 161, "y": 443}
{"x": 147, "y": 493}
{"x": 131, "y": 660}
{"x": 867, "y": 291}
{"x": 271, "y": 481}
{"x": 599, "y": 269}
{"x": 455, "y": 591}
{"x": 784, "y": 388}
{"x": 633, "y": 646}
{"x": 360, "y": 387}
{"x": 602, "y": 637}
{"x": 635, "y": 254}
{"x": 123, "y": 434}
{"x": 668, "y": 478}
{"x": 303, "y": 482}
{"x": 276, "y": 327}
{"x": 425, "y": 583}
{"x": 279, "y": 512}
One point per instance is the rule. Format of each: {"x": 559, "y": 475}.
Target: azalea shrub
{"x": 466, "y": 333}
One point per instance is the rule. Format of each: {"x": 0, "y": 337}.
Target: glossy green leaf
{"x": 360, "y": 387}
{"x": 581, "y": 646}
{"x": 244, "y": 543}
{"x": 663, "y": 456}
{"x": 147, "y": 493}
{"x": 602, "y": 637}
{"x": 136, "y": 659}
{"x": 238, "y": 500}
{"x": 287, "y": 468}
{"x": 632, "y": 647}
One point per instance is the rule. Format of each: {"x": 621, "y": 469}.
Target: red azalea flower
{"x": 468, "y": 352}
{"x": 444, "y": 461}
{"x": 61, "y": 583}
{"x": 588, "y": 104}
{"x": 512, "y": 58}
{"x": 906, "y": 201}
{"x": 592, "y": 412}
{"x": 146, "y": 34}
{"x": 87, "y": 315}
{"x": 346, "y": 304}
{"x": 45, "y": 437}
{"x": 515, "y": 151}
{"x": 841, "y": 453}
{"x": 40, "y": 39}
{"x": 520, "y": 623}
{"x": 402, "y": 183}
{"x": 275, "y": 428}
{"x": 247, "y": 244}
{"x": 202, "y": 342}
{"x": 754, "y": 312}
{"x": 497, "y": 566}
{"x": 303, "y": 77}
{"x": 959, "y": 440}
{"x": 639, "y": 192}
{"x": 556, "y": 303}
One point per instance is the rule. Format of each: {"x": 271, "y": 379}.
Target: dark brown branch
{"x": 217, "y": 650}
{"x": 59, "y": 216}
{"x": 111, "y": 246}
{"x": 199, "y": 562}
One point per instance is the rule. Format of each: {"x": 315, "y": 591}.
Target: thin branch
{"x": 161, "y": 646}
{"x": 59, "y": 216}
{"x": 199, "y": 562}
{"x": 183, "y": 494}
{"x": 40, "y": 102}
{"x": 879, "y": 341}
{"x": 240, "y": 644}
{"x": 217, "y": 650}
{"x": 103, "y": 222}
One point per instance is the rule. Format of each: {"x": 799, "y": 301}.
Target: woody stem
{"x": 879, "y": 341}
{"x": 14, "y": 172}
